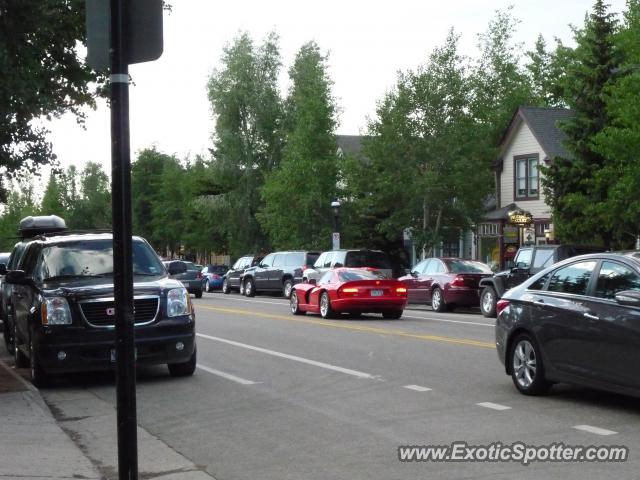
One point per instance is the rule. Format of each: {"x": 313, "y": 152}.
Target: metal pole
{"x": 122, "y": 268}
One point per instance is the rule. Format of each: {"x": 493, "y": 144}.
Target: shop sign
{"x": 510, "y": 234}
{"x": 520, "y": 217}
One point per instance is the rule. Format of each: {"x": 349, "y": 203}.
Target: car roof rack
{"x": 33, "y": 226}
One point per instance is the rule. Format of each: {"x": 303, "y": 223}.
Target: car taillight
{"x": 350, "y": 290}
{"x": 501, "y": 305}
{"x": 458, "y": 281}
{"x": 401, "y": 290}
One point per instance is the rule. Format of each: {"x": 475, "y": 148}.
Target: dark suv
{"x": 234, "y": 276}
{"x": 63, "y": 309}
{"x": 278, "y": 272}
{"x": 357, "y": 258}
{"x": 527, "y": 262}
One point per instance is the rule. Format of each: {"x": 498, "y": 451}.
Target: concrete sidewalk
{"x": 34, "y": 444}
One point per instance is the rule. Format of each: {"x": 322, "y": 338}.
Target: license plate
{"x": 376, "y": 293}
{"x": 113, "y": 355}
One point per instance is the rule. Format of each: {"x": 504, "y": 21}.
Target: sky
{"x": 368, "y": 42}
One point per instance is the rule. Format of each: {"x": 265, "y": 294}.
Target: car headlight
{"x": 178, "y": 302}
{"x": 55, "y": 311}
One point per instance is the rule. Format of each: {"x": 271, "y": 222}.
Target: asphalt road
{"x": 278, "y": 396}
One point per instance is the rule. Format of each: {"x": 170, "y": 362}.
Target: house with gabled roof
{"x": 521, "y": 214}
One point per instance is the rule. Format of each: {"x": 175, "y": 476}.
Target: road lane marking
{"x": 446, "y": 320}
{"x": 493, "y": 406}
{"x": 596, "y": 430}
{"x": 359, "y": 328}
{"x": 417, "y": 388}
{"x": 435, "y": 319}
{"x": 228, "y": 376}
{"x": 295, "y": 358}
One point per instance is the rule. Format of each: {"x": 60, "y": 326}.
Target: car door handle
{"x": 539, "y": 301}
{"x": 590, "y": 316}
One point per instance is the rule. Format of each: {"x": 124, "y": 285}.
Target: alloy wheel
{"x": 524, "y": 363}
{"x": 487, "y": 301}
{"x": 294, "y": 302}
{"x": 436, "y": 300}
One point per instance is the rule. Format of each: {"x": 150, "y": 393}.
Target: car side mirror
{"x": 630, "y": 298}
{"x": 3, "y": 268}
{"x": 17, "y": 277}
{"x": 176, "y": 268}
{"x": 414, "y": 273}
{"x": 338, "y": 265}
{"x": 313, "y": 281}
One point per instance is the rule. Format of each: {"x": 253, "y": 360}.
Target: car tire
{"x": 437, "y": 300}
{"x": 225, "y": 287}
{"x": 38, "y": 376}
{"x": 198, "y": 293}
{"x": 392, "y": 315}
{"x": 325, "y": 306}
{"x": 488, "y": 300}
{"x": 20, "y": 358}
{"x": 294, "y": 304}
{"x": 241, "y": 287}
{"x": 527, "y": 370}
{"x": 207, "y": 286}
{"x": 185, "y": 369}
{"x": 287, "y": 288}
{"x": 249, "y": 288}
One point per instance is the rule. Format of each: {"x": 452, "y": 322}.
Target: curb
{"x": 32, "y": 393}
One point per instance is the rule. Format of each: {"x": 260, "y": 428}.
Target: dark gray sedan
{"x": 575, "y": 322}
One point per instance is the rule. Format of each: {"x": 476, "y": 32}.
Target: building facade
{"x": 521, "y": 215}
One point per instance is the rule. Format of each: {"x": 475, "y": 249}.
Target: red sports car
{"x": 349, "y": 290}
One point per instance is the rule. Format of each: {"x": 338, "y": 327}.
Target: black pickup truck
{"x": 527, "y": 262}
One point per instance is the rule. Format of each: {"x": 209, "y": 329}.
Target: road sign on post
{"x": 120, "y": 32}
{"x": 336, "y": 240}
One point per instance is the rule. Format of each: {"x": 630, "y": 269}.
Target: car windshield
{"x": 368, "y": 259}
{"x": 353, "y": 275}
{"x": 467, "y": 266}
{"x": 94, "y": 258}
{"x": 219, "y": 269}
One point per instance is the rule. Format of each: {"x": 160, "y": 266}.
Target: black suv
{"x": 527, "y": 262}
{"x": 278, "y": 272}
{"x": 234, "y": 276}
{"x": 63, "y": 310}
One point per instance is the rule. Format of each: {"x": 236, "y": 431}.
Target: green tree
{"x": 43, "y": 76}
{"x": 298, "y": 193}
{"x": 146, "y": 173}
{"x": 53, "y": 199}
{"x": 20, "y": 204}
{"x": 575, "y": 187}
{"x": 93, "y": 208}
{"x": 247, "y": 139}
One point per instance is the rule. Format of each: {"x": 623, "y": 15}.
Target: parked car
{"x": 575, "y": 322}
{"x": 191, "y": 277}
{"x": 277, "y": 272}
{"x": 352, "y": 291}
{"x": 233, "y": 279}
{"x": 351, "y": 259}
{"x": 213, "y": 277}
{"x": 27, "y": 229}
{"x": 445, "y": 282}
{"x": 527, "y": 262}
{"x": 63, "y": 308}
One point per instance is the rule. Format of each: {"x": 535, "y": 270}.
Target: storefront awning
{"x": 507, "y": 213}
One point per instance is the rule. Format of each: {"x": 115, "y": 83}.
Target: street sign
{"x": 143, "y": 32}
{"x": 336, "y": 240}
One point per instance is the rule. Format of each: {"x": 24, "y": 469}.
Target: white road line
{"x": 295, "y": 358}
{"x": 445, "y": 320}
{"x": 417, "y": 388}
{"x": 596, "y": 430}
{"x": 493, "y": 406}
{"x": 228, "y": 376}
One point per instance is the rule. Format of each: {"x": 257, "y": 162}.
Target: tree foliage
{"x": 297, "y": 193}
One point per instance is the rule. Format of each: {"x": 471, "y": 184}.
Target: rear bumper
{"x": 90, "y": 349}
{"x": 193, "y": 285}
{"x": 368, "y": 305}
{"x": 462, "y": 296}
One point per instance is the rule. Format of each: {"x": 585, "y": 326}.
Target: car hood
{"x": 98, "y": 287}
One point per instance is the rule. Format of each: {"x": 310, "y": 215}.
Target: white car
{"x": 375, "y": 259}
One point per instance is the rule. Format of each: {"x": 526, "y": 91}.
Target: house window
{"x": 526, "y": 177}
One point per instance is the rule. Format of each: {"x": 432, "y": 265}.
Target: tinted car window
{"x": 572, "y": 278}
{"x": 311, "y": 258}
{"x": 540, "y": 283}
{"x": 367, "y": 259}
{"x": 543, "y": 258}
{"x": 615, "y": 277}
{"x": 353, "y": 275}
{"x": 16, "y": 255}
{"x": 467, "y": 266}
{"x": 419, "y": 268}
{"x": 320, "y": 261}
{"x": 267, "y": 261}
{"x": 191, "y": 267}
